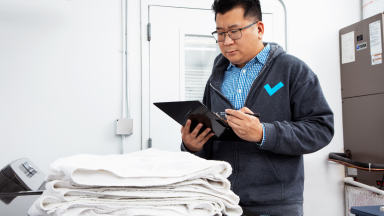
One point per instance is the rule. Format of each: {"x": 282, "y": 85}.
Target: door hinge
{"x": 149, "y": 31}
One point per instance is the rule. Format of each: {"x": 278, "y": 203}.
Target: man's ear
{"x": 260, "y": 30}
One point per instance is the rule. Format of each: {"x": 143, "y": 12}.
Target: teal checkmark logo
{"x": 273, "y": 90}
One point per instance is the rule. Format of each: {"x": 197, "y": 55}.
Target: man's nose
{"x": 228, "y": 40}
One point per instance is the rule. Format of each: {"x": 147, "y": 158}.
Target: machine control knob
{"x": 29, "y": 168}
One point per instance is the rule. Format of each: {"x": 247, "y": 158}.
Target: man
{"x": 250, "y": 76}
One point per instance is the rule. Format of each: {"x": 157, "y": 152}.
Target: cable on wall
{"x": 341, "y": 158}
{"x": 286, "y": 26}
{"x": 125, "y": 109}
{"x": 127, "y": 61}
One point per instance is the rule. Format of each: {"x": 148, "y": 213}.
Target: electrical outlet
{"x": 124, "y": 126}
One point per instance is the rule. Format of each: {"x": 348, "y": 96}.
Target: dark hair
{"x": 252, "y": 8}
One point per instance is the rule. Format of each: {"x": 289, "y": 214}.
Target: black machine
{"x": 21, "y": 177}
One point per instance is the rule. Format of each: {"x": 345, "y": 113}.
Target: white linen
{"x": 150, "y": 167}
{"x": 138, "y": 184}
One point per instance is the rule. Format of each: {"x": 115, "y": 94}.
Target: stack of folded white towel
{"x": 149, "y": 182}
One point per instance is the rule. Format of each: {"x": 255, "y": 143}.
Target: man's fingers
{"x": 196, "y": 130}
{"x": 187, "y": 126}
{"x": 236, "y": 128}
{"x": 246, "y": 110}
{"x": 234, "y": 120}
{"x": 230, "y": 111}
{"x": 193, "y": 142}
{"x": 234, "y": 113}
{"x": 233, "y": 125}
{"x": 182, "y": 130}
{"x": 207, "y": 138}
{"x": 203, "y": 134}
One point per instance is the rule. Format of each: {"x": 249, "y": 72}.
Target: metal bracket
{"x": 149, "y": 31}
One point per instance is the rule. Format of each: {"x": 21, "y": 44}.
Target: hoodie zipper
{"x": 235, "y": 155}
{"x": 225, "y": 98}
{"x": 236, "y": 167}
{"x": 246, "y": 99}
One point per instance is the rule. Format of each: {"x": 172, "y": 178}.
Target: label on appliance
{"x": 352, "y": 171}
{"x": 361, "y": 46}
{"x": 377, "y": 59}
{"x": 348, "y": 47}
{"x": 375, "y": 37}
{"x": 360, "y": 38}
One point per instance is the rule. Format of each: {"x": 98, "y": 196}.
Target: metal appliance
{"x": 20, "y": 177}
{"x": 362, "y": 88}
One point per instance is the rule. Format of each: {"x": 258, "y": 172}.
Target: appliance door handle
{"x": 21, "y": 193}
{"x": 340, "y": 158}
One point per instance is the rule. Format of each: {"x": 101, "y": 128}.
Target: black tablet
{"x": 181, "y": 111}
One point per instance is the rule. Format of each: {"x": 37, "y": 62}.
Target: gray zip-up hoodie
{"x": 297, "y": 119}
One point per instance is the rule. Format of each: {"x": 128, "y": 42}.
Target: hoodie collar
{"x": 222, "y": 63}
{"x": 257, "y": 58}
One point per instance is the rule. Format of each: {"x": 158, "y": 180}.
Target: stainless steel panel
{"x": 19, "y": 206}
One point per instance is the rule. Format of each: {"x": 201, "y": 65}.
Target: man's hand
{"x": 245, "y": 126}
{"x": 193, "y": 142}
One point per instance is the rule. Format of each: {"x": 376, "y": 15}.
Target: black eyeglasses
{"x": 234, "y": 34}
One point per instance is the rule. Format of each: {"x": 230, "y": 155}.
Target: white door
{"x": 181, "y": 54}
{"x": 182, "y": 51}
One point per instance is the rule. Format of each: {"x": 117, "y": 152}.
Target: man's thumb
{"x": 246, "y": 110}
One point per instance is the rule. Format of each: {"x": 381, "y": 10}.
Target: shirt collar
{"x": 260, "y": 57}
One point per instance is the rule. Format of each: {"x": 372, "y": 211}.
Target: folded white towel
{"x": 149, "y": 182}
{"x": 61, "y": 196}
{"x": 149, "y": 167}
{"x": 191, "y": 188}
{"x": 97, "y": 207}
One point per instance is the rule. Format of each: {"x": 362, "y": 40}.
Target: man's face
{"x": 240, "y": 51}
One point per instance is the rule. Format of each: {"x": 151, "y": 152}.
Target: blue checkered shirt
{"x": 238, "y": 81}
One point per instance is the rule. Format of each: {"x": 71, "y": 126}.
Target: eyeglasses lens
{"x": 234, "y": 35}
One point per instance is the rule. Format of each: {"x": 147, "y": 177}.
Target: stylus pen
{"x": 257, "y": 115}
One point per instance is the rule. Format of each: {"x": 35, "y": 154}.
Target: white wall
{"x": 60, "y": 81}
